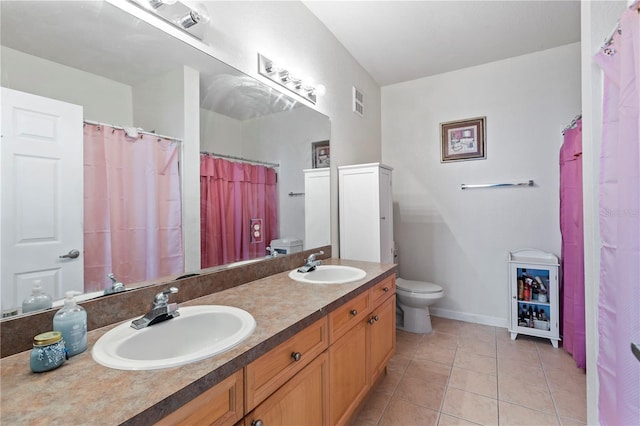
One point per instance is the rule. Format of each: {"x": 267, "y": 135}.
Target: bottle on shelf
{"x": 520, "y": 290}
{"x": 530, "y": 317}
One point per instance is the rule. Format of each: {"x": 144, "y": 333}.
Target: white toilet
{"x": 413, "y": 301}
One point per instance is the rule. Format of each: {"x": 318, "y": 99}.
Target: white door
{"x": 386, "y": 217}
{"x": 41, "y": 197}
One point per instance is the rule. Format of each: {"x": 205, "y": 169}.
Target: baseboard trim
{"x": 474, "y": 318}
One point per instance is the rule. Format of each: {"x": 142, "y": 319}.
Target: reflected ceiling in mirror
{"x": 108, "y": 43}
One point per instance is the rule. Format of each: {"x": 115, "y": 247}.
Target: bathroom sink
{"x": 198, "y": 333}
{"x": 329, "y": 274}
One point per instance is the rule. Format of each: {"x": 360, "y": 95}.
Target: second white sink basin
{"x": 329, "y": 274}
{"x": 198, "y": 333}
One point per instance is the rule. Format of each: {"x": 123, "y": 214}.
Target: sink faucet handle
{"x": 312, "y": 257}
{"x": 162, "y": 298}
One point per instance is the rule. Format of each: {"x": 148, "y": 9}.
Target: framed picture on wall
{"x": 463, "y": 140}
{"x": 320, "y": 154}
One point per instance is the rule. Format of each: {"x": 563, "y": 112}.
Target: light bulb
{"x": 198, "y": 14}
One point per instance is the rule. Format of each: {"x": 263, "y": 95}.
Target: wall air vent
{"x": 358, "y": 102}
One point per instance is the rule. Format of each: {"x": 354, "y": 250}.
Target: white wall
{"x": 461, "y": 239}
{"x": 103, "y": 100}
{"x": 220, "y": 134}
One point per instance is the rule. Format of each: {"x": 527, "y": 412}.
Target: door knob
{"x": 71, "y": 255}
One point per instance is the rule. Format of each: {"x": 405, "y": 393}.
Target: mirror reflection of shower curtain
{"x": 132, "y": 207}
{"x": 238, "y": 203}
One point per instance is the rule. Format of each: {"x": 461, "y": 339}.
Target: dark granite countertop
{"x": 84, "y": 392}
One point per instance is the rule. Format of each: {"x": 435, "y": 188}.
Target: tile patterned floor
{"x": 470, "y": 374}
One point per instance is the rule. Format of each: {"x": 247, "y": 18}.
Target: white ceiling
{"x": 398, "y": 41}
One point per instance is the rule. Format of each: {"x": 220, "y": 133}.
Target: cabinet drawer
{"x": 348, "y": 315}
{"x": 270, "y": 371}
{"x": 220, "y": 405}
{"x": 301, "y": 401}
{"x": 382, "y": 290}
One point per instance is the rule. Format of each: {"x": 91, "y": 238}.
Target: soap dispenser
{"x": 71, "y": 321}
{"x": 38, "y": 300}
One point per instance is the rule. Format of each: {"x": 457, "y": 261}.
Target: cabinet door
{"x": 348, "y": 373}
{"x": 273, "y": 369}
{"x": 301, "y": 401}
{"x": 382, "y": 335}
{"x": 220, "y": 405}
{"x": 386, "y": 217}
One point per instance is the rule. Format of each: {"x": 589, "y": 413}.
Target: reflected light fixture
{"x": 183, "y": 14}
{"x": 289, "y": 79}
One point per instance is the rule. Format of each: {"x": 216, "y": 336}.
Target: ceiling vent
{"x": 358, "y": 102}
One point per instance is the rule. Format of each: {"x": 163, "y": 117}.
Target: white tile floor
{"x": 466, "y": 374}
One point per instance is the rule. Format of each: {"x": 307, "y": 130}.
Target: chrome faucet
{"x": 161, "y": 310}
{"x": 311, "y": 263}
{"x": 116, "y": 286}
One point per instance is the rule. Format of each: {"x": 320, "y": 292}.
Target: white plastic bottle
{"x": 71, "y": 321}
{"x": 38, "y": 300}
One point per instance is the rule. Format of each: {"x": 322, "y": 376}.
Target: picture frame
{"x": 463, "y": 140}
{"x": 320, "y": 154}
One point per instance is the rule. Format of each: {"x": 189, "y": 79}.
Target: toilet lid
{"x": 417, "y": 286}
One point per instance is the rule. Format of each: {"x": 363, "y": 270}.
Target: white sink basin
{"x": 329, "y": 274}
{"x": 198, "y": 333}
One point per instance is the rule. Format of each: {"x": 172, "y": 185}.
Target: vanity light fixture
{"x": 289, "y": 79}
{"x": 183, "y": 14}
{"x": 193, "y": 17}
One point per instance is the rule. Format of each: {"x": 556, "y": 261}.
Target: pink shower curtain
{"x": 619, "y": 299}
{"x": 572, "y": 229}
{"x": 238, "y": 203}
{"x": 132, "y": 207}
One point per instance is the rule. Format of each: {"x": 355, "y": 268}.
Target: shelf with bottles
{"x": 533, "y": 315}
{"x": 533, "y": 283}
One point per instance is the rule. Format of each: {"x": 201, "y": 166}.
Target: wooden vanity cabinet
{"x": 318, "y": 377}
{"x": 360, "y": 353}
{"x": 301, "y": 401}
{"x": 220, "y": 405}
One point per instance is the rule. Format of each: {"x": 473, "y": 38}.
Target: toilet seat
{"x": 417, "y": 287}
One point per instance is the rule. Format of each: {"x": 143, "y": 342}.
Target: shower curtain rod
{"x": 97, "y": 123}
{"x": 247, "y": 160}
{"x": 573, "y": 123}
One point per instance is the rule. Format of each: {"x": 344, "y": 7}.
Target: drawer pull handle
{"x": 257, "y": 422}
{"x": 371, "y": 321}
{"x": 375, "y": 317}
{"x": 386, "y": 289}
{"x": 353, "y": 312}
{"x": 296, "y": 356}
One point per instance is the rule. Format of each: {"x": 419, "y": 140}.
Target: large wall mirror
{"x": 123, "y": 72}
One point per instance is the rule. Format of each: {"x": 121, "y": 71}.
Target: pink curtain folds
{"x": 132, "y": 207}
{"x": 238, "y": 203}
{"x": 619, "y": 298}
{"x": 572, "y": 229}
